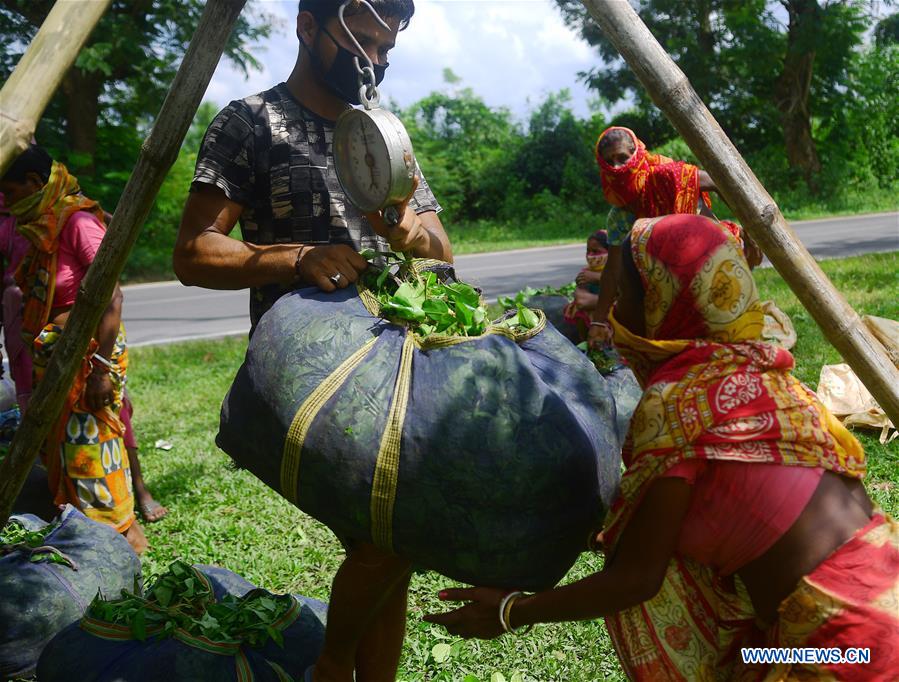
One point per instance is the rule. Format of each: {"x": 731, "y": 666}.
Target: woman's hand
{"x": 751, "y": 250}
{"x": 588, "y": 277}
{"x": 584, "y": 300}
{"x": 477, "y": 619}
{"x": 599, "y": 336}
{"x": 99, "y": 391}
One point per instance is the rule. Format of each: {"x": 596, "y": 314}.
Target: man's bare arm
{"x": 439, "y": 246}
{"x": 206, "y": 256}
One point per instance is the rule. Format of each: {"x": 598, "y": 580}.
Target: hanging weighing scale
{"x": 372, "y": 150}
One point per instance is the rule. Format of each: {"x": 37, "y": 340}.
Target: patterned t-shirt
{"x": 275, "y": 157}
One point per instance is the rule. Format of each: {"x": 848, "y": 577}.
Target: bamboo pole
{"x": 673, "y": 94}
{"x": 157, "y": 155}
{"x": 40, "y": 71}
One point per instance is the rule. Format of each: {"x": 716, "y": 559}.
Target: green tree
{"x": 887, "y": 31}
{"x": 463, "y": 144}
{"x": 766, "y": 68}
{"x": 152, "y": 255}
{"x": 121, "y": 76}
{"x": 554, "y": 136}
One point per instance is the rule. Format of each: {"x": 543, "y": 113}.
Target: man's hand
{"x": 330, "y": 266}
{"x": 407, "y": 235}
{"x": 99, "y": 391}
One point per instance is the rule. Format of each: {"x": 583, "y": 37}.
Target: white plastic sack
{"x": 843, "y": 393}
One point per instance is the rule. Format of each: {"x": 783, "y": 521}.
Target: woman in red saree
{"x": 638, "y": 183}
{"x": 647, "y": 184}
{"x": 741, "y": 519}
{"x": 85, "y": 455}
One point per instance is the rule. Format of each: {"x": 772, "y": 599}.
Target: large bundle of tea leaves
{"x": 194, "y": 623}
{"x": 395, "y": 413}
{"x": 49, "y": 573}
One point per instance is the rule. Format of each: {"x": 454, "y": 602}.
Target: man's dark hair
{"x": 35, "y": 159}
{"x": 323, "y": 10}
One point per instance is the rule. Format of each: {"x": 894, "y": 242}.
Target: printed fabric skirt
{"x": 695, "y": 627}
{"x": 85, "y": 456}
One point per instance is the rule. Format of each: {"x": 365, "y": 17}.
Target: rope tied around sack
{"x": 42, "y": 553}
{"x": 15, "y": 537}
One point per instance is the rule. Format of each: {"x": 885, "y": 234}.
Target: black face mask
{"x": 342, "y": 79}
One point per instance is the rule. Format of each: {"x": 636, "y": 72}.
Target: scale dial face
{"x": 373, "y": 157}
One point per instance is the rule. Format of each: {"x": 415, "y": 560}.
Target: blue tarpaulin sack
{"x": 227, "y": 582}
{"x": 553, "y": 306}
{"x": 490, "y": 459}
{"x": 627, "y": 393}
{"x": 100, "y": 649}
{"x": 47, "y": 586}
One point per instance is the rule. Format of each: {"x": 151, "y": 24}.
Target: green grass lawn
{"x": 226, "y": 517}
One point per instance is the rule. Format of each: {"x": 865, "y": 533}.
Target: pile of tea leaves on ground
{"x": 431, "y": 302}
{"x": 181, "y": 599}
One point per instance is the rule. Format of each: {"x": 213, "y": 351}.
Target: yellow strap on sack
{"x": 383, "y": 486}
{"x": 299, "y": 428}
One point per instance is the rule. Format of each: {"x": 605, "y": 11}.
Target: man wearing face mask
{"x": 267, "y": 161}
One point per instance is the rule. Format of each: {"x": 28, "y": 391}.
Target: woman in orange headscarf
{"x": 85, "y": 455}
{"x": 646, "y": 184}
{"x": 640, "y": 184}
{"x": 741, "y": 519}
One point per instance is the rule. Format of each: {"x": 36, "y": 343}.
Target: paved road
{"x": 168, "y": 312}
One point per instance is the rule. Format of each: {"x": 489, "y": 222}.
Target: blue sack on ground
{"x": 227, "y": 582}
{"x": 47, "y": 586}
{"x": 273, "y": 638}
{"x": 490, "y": 459}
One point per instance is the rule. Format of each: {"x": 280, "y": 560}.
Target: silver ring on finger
{"x": 336, "y": 279}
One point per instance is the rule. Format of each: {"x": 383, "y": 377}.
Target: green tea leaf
{"x": 465, "y": 292}
{"x": 139, "y": 626}
{"x": 527, "y": 318}
{"x": 435, "y": 307}
{"x": 410, "y": 295}
{"x": 441, "y": 652}
{"x": 163, "y": 595}
{"x": 403, "y": 311}
{"x": 385, "y": 273}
